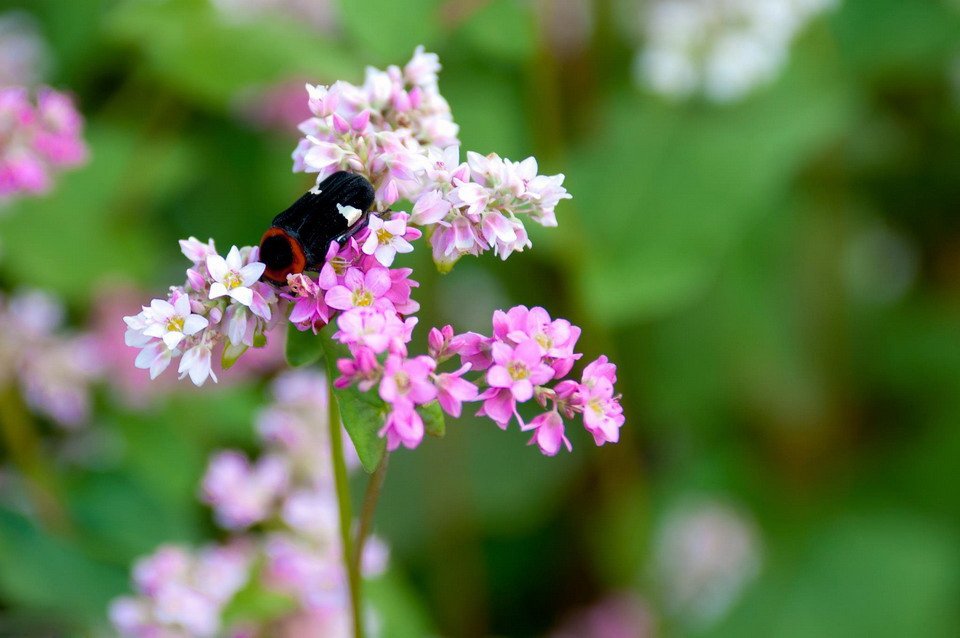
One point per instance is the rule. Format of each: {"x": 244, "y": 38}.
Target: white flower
{"x": 172, "y": 322}
{"x": 231, "y": 278}
{"x": 196, "y": 363}
{"x": 386, "y": 239}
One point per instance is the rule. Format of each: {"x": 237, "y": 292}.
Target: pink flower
{"x": 360, "y": 290}
{"x": 499, "y": 405}
{"x": 430, "y": 209}
{"x": 474, "y": 349}
{"x": 548, "y": 432}
{"x": 243, "y": 494}
{"x": 518, "y": 369}
{"x": 402, "y": 427}
{"x": 602, "y": 413}
{"x": 453, "y": 390}
{"x": 367, "y": 328}
{"x": 309, "y": 308}
{"x": 400, "y": 289}
{"x": 407, "y": 381}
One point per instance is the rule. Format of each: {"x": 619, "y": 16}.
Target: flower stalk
{"x": 343, "y": 500}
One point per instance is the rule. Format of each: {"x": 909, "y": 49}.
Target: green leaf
{"x": 256, "y": 604}
{"x": 433, "y": 420}
{"x": 362, "y": 413}
{"x": 666, "y": 191}
{"x": 91, "y": 227}
{"x": 303, "y": 347}
{"x": 48, "y": 574}
{"x": 391, "y": 29}
{"x": 210, "y": 57}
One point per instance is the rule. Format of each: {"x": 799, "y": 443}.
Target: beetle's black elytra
{"x": 299, "y": 237}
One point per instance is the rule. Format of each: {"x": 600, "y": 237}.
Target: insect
{"x": 299, "y": 237}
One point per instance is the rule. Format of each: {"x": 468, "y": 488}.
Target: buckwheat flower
{"x": 401, "y": 287}
{"x": 430, "y": 208}
{"x": 197, "y": 251}
{"x": 310, "y": 311}
{"x": 475, "y": 349}
{"x": 602, "y": 413}
{"x": 172, "y": 322}
{"x": 387, "y": 238}
{"x": 453, "y": 390}
{"x": 367, "y": 328}
{"x": 499, "y": 405}
{"x": 240, "y": 493}
{"x": 403, "y": 426}
{"x": 360, "y": 290}
{"x": 231, "y": 278}
{"x": 548, "y": 433}
{"x": 407, "y": 381}
{"x": 518, "y": 369}
{"x": 37, "y": 139}
{"x": 422, "y": 68}
{"x": 197, "y": 362}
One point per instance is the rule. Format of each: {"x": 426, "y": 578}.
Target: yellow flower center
{"x": 545, "y": 342}
{"x": 175, "y": 324}
{"x": 518, "y": 371}
{"x": 595, "y": 405}
{"x": 362, "y": 297}
{"x": 232, "y": 280}
{"x": 383, "y": 236}
{"x": 402, "y": 381}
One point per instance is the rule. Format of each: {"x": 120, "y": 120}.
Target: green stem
{"x": 374, "y": 487}
{"x": 343, "y": 498}
{"x": 26, "y": 452}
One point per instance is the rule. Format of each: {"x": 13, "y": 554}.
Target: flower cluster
{"x": 182, "y": 593}
{"x": 527, "y": 352}
{"x": 396, "y": 130}
{"x": 222, "y": 306}
{"x": 724, "y": 48}
{"x": 37, "y": 138}
{"x": 283, "y": 517}
{"x": 53, "y": 369}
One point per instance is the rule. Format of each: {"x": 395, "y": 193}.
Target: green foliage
{"x": 195, "y": 50}
{"x": 362, "y": 413}
{"x": 666, "y": 192}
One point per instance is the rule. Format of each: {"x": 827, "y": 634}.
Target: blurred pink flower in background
{"x": 623, "y": 615}
{"x": 38, "y": 138}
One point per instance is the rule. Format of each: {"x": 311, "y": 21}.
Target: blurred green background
{"x": 777, "y": 278}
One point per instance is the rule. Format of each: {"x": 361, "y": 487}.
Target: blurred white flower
{"x": 720, "y": 48}
{"x": 705, "y": 554}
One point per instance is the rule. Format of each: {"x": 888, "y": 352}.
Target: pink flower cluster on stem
{"x": 38, "y": 138}
{"x": 282, "y": 519}
{"x": 397, "y": 130}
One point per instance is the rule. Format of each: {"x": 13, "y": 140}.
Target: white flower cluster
{"x": 721, "y": 48}
{"x": 222, "y": 302}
